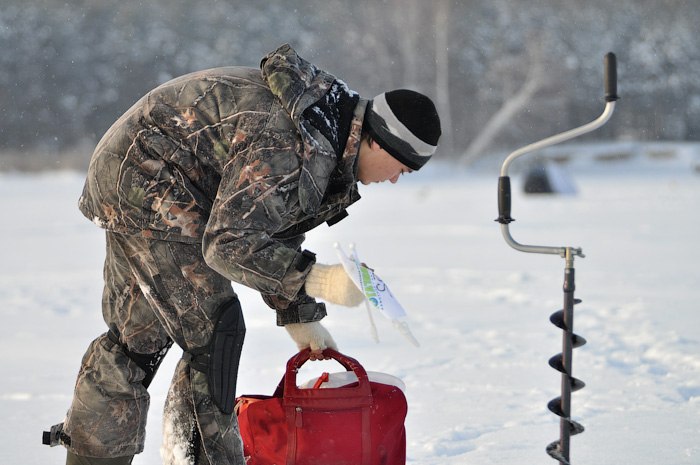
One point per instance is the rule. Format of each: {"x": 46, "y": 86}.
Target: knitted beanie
{"x": 406, "y": 124}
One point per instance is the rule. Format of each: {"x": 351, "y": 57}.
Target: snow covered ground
{"x": 479, "y": 384}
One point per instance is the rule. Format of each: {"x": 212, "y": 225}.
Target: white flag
{"x": 376, "y": 292}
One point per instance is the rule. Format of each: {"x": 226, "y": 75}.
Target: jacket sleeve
{"x": 256, "y": 199}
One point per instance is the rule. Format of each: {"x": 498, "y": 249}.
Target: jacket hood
{"x": 307, "y": 93}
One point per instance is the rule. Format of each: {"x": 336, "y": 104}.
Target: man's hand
{"x": 332, "y": 284}
{"x": 311, "y": 335}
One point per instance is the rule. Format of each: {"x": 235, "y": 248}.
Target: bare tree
{"x": 442, "y": 72}
{"x": 512, "y": 105}
{"x": 407, "y": 31}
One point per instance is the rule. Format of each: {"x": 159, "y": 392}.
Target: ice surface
{"x": 478, "y": 386}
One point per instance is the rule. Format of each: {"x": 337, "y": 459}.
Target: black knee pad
{"x": 220, "y": 358}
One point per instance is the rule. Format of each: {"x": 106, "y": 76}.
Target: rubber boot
{"x": 72, "y": 459}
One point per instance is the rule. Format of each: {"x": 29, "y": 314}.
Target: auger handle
{"x": 610, "y": 77}
{"x": 504, "y": 191}
{"x": 504, "y": 200}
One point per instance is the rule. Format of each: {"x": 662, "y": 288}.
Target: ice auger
{"x": 564, "y": 318}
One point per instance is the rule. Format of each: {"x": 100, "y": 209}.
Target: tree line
{"x": 503, "y": 73}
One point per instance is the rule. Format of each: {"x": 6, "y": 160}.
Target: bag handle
{"x": 333, "y": 398}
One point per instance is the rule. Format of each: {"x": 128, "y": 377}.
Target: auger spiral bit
{"x": 562, "y": 362}
{"x": 564, "y": 318}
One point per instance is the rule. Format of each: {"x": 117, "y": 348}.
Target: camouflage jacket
{"x": 241, "y": 160}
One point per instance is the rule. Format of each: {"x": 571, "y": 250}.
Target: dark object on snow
{"x": 536, "y": 181}
{"x": 547, "y": 178}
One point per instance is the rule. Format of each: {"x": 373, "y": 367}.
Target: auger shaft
{"x": 567, "y": 360}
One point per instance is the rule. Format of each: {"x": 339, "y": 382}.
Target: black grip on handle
{"x": 610, "y": 77}
{"x": 504, "y": 200}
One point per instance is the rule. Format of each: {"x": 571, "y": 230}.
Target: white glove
{"x": 311, "y": 335}
{"x": 332, "y": 284}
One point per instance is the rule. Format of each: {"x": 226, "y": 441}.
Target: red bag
{"x": 358, "y": 424}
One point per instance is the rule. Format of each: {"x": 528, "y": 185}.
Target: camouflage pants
{"x": 155, "y": 292}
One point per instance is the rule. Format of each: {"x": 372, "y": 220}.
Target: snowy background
{"x": 478, "y": 386}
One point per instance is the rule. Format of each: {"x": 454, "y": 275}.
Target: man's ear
{"x": 375, "y": 146}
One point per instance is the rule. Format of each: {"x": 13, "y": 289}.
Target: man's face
{"x": 376, "y": 165}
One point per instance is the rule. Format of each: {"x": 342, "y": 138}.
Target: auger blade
{"x": 576, "y": 427}
{"x": 577, "y": 384}
{"x": 556, "y": 363}
{"x": 554, "y": 406}
{"x": 554, "y": 451}
{"x": 557, "y": 319}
